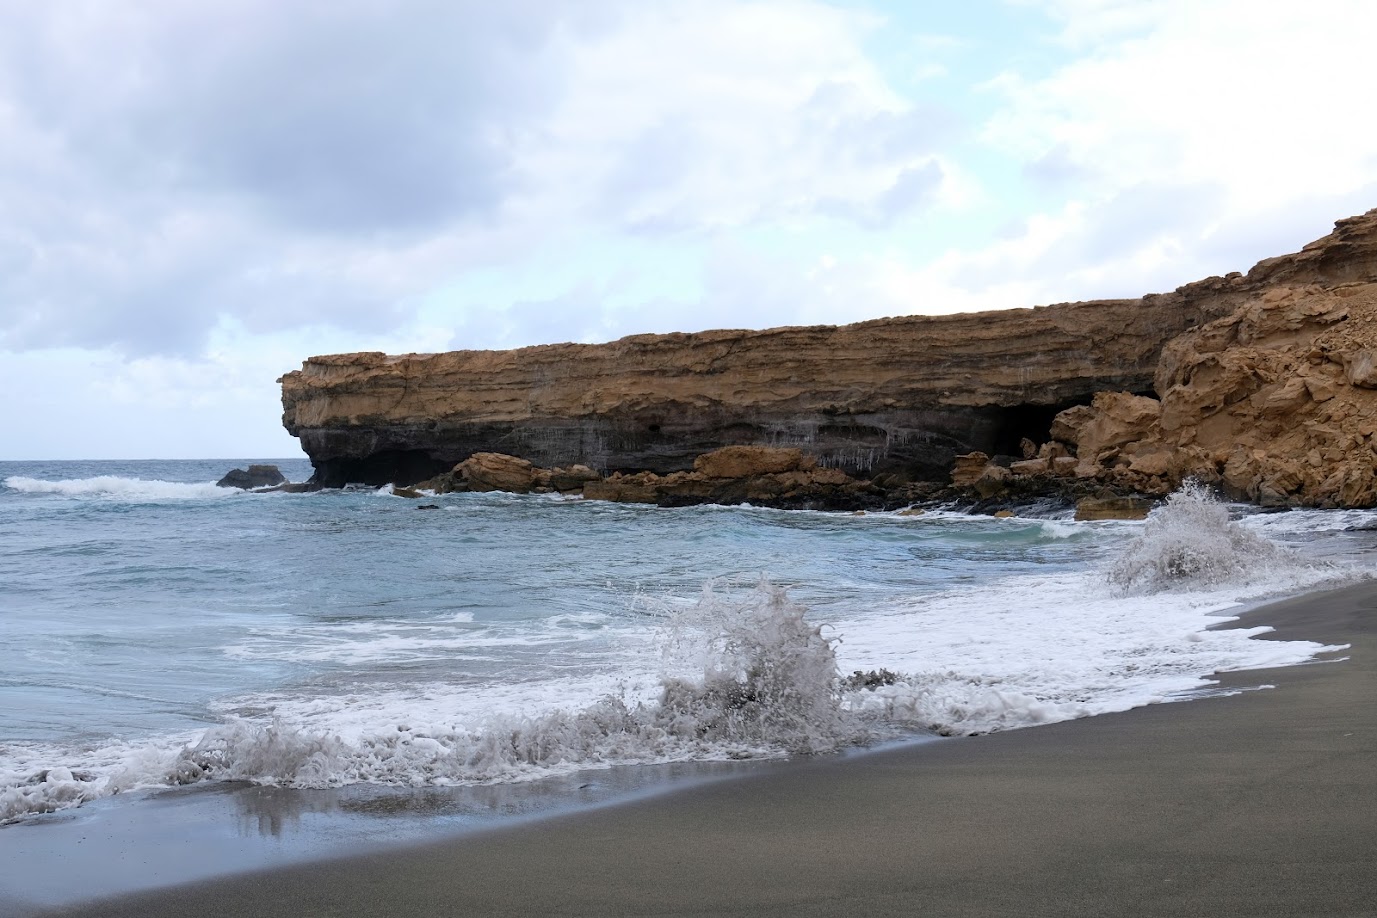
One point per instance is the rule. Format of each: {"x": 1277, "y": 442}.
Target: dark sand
{"x": 1263, "y": 803}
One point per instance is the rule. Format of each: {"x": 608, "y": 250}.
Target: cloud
{"x": 421, "y": 174}
{"x": 342, "y": 117}
{"x": 1185, "y": 92}
{"x": 1174, "y": 127}
{"x": 810, "y": 129}
{"x": 165, "y": 165}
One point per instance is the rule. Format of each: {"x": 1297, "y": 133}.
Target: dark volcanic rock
{"x": 256, "y": 476}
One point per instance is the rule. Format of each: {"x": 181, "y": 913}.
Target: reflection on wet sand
{"x": 281, "y": 812}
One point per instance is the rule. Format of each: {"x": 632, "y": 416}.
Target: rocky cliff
{"x": 1276, "y": 402}
{"x": 1228, "y": 374}
{"x": 903, "y": 394}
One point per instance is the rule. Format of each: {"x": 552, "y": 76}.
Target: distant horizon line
{"x": 172, "y": 459}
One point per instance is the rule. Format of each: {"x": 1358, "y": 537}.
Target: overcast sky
{"x": 195, "y": 197}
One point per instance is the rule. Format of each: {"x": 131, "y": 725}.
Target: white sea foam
{"x": 979, "y": 625}
{"x": 734, "y": 676}
{"x": 387, "y": 641}
{"x": 750, "y": 678}
{"x": 31, "y": 782}
{"x": 1191, "y": 543}
{"x": 1028, "y": 650}
{"x": 1293, "y": 522}
{"x": 113, "y": 487}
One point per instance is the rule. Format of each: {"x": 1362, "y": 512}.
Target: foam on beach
{"x": 1191, "y": 543}
{"x": 739, "y": 677}
{"x": 745, "y": 679}
{"x": 741, "y": 671}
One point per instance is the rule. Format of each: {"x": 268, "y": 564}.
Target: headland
{"x": 1264, "y": 383}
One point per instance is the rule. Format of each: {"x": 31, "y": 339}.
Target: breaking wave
{"x": 113, "y": 487}
{"x": 747, "y": 674}
{"x": 744, "y": 679}
{"x": 1190, "y": 543}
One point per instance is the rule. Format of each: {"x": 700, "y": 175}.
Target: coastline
{"x": 1260, "y": 803}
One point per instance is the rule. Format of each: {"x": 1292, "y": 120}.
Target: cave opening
{"x": 1033, "y": 422}
{"x": 394, "y": 466}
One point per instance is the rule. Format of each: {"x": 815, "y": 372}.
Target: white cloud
{"x": 1187, "y": 137}
{"x": 197, "y": 196}
{"x": 714, "y": 115}
{"x": 1262, "y": 105}
{"x": 168, "y": 165}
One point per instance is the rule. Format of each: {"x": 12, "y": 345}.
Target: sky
{"x": 196, "y": 197}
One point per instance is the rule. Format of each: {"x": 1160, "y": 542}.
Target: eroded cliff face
{"x": 1232, "y": 374}
{"x": 1277, "y": 402}
{"x": 905, "y": 394}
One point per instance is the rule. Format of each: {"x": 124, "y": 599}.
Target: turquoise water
{"x": 159, "y": 630}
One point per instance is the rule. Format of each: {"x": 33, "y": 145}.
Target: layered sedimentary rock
{"x": 902, "y": 395}
{"x": 770, "y": 476}
{"x": 1276, "y": 402}
{"x": 1266, "y": 382}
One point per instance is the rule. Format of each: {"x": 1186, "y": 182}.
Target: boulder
{"x": 255, "y": 476}
{"x": 1053, "y": 449}
{"x": 968, "y": 468}
{"x": 497, "y": 472}
{"x": 572, "y": 478}
{"x": 993, "y": 481}
{"x": 1360, "y": 367}
{"x": 811, "y": 488}
{"x": 745, "y": 461}
{"x": 1114, "y": 419}
{"x": 641, "y": 488}
{"x": 1112, "y": 508}
{"x": 447, "y": 483}
{"x": 1030, "y": 467}
{"x": 1064, "y": 466}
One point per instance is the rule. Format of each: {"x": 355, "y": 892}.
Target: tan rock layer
{"x": 731, "y": 475}
{"x": 1265, "y": 382}
{"x": 1276, "y": 402}
{"x": 909, "y": 393}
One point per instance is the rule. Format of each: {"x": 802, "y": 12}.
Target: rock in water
{"x": 256, "y": 476}
{"x": 497, "y": 472}
{"x": 1112, "y": 508}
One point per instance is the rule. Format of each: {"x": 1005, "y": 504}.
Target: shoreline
{"x": 1258, "y": 803}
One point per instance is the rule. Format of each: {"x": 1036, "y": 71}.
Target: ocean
{"x": 161, "y": 632}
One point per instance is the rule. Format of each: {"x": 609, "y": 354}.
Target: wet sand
{"x": 1263, "y": 803}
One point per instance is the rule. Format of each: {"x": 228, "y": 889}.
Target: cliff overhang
{"x": 899, "y": 397}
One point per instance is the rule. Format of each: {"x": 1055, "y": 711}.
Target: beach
{"x": 1258, "y": 803}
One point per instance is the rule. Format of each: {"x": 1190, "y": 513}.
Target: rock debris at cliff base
{"x": 1264, "y": 383}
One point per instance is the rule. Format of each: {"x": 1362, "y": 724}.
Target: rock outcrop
{"x": 255, "y": 476}
{"x": 902, "y": 395}
{"x": 1276, "y": 402}
{"x": 762, "y": 475}
{"x": 1264, "y": 382}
